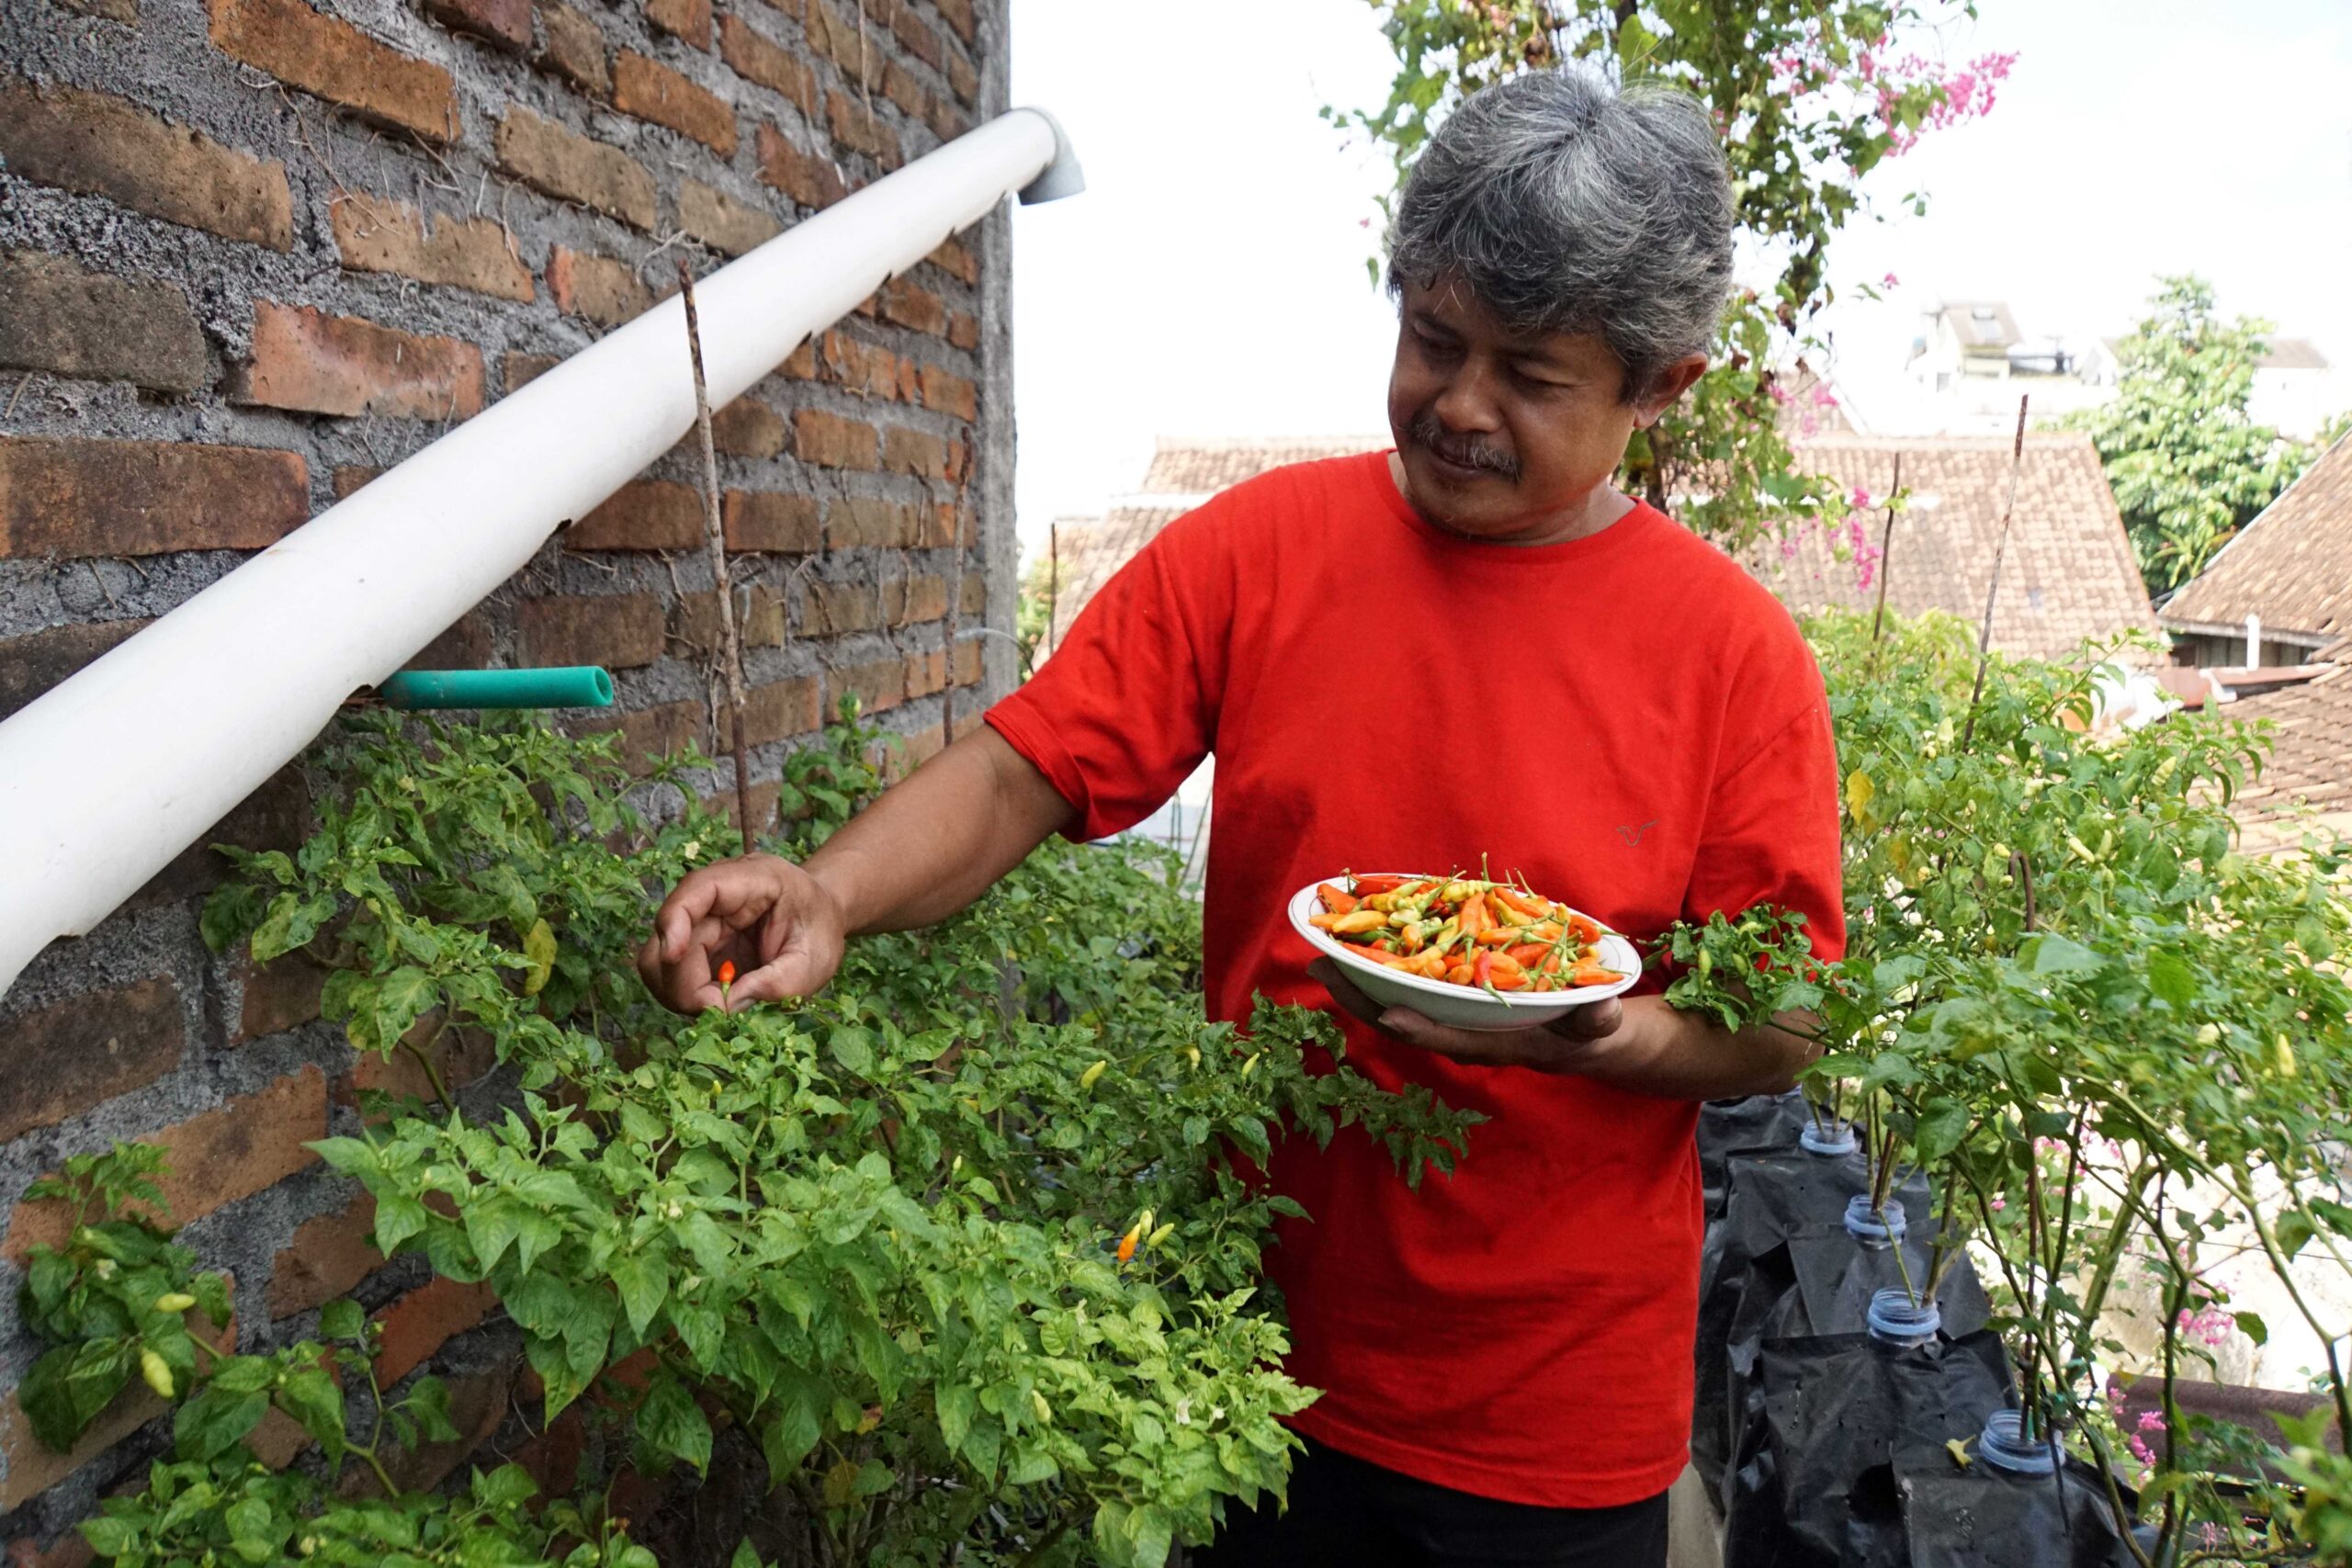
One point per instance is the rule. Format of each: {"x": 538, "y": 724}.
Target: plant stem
{"x": 1886, "y": 559}
{"x": 714, "y": 541}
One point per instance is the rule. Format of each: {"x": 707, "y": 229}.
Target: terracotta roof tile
{"x": 2310, "y": 764}
{"x": 1203, "y": 467}
{"x": 2068, "y": 576}
{"x": 1085, "y": 552}
{"x": 2292, "y": 566}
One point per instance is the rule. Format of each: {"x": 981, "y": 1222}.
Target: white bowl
{"x": 1460, "y": 1007}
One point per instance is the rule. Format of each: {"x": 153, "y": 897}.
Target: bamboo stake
{"x": 1886, "y": 554}
{"x": 1053, "y": 581}
{"x": 1992, "y": 587}
{"x": 715, "y": 538}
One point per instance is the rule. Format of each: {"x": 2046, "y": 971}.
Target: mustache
{"x": 1470, "y": 452}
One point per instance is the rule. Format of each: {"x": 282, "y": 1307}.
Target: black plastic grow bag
{"x": 1850, "y": 1465}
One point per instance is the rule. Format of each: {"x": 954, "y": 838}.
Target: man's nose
{"x": 1467, "y": 405}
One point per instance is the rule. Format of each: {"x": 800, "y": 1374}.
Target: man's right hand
{"x": 778, "y": 925}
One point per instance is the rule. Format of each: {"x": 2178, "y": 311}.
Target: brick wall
{"x": 255, "y": 252}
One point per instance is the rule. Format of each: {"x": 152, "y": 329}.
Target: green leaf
{"x": 215, "y": 1421}
{"x": 955, "y": 1403}
{"x": 643, "y": 1285}
{"x": 342, "y": 1319}
{"x": 2056, "y": 954}
{"x": 672, "y": 1426}
{"x": 70, "y": 1386}
{"x": 2171, "y": 979}
{"x": 2250, "y": 1323}
{"x": 538, "y": 946}
{"x": 311, "y": 1396}
{"x": 1943, "y": 1123}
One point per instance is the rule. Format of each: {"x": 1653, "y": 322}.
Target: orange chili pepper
{"x": 1364, "y": 886}
{"x": 1126, "y": 1246}
{"x": 1525, "y": 906}
{"x": 726, "y": 973}
{"x": 1475, "y": 916}
{"x": 1590, "y": 974}
{"x": 1497, "y": 936}
{"x": 1527, "y": 952}
{"x": 1583, "y": 927}
{"x": 1335, "y": 902}
{"x": 1482, "y": 972}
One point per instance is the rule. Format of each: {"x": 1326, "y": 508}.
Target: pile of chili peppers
{"x": 1492, "y": 936}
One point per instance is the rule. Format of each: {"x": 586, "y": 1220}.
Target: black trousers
{"x": 1350, "y": 1514}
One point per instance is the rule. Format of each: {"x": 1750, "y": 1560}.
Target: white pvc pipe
{"x": 111, "y": 775}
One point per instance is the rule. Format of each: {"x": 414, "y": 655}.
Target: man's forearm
{"x": 933, "y": 843}
{"x": 1682, "y": 1056}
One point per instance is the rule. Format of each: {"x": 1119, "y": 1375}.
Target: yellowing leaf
{"x": 841, "y": 1484}
{"x": 538, "y": 946}
{"x": 1860, "y": 791}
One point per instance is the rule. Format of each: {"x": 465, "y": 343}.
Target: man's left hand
{"x": 1575, "y": 1043}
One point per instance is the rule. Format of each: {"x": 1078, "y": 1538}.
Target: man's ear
{"x": 1669, "y": 389}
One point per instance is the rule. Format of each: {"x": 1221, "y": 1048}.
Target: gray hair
{"x": 1571, "y": 207}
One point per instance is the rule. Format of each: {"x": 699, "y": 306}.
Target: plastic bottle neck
{"x": 2004, "y": 1445}
{"x": 1837, "y": 1138}
{"x": 1877, "y": 1229}
{"x": 1895, "y": 1319}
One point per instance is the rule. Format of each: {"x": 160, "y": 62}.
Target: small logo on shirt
{"x": 1633, "y": 836}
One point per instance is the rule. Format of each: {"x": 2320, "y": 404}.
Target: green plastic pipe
{"x": 565, "y": 686}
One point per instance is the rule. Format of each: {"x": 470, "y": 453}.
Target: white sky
{"x": 1212, "y": 281}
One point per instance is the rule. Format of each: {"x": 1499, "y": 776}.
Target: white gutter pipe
{"x": 111, "y": 775}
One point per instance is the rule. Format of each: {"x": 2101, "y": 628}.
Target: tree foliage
{"x": 2189, "y": 464}
{"x": 1810, "y": 96}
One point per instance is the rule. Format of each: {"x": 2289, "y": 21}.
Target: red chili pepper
{"x": 1584, "y": 929}
{"x": 726, "y": 973}
{"x": 1365, "y": 887}
{"x": 1536, "y": 907}
{"x": 1482, "y": 970}
{"x": 1335, "y": 902}
{"x": 1527, "y": 952}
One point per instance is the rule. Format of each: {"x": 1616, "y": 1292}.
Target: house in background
{"x": 2281, "y": 591}
{"x": 2067, "y": 575}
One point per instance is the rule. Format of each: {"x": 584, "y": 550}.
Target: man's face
{"x": 1501, "y": 437}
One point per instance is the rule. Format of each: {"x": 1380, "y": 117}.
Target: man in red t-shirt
{"x": 1470, "y": 648}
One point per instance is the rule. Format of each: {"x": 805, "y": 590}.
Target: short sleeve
{"x": 1126, "y": 708}
{"x": 1771, "y": 833}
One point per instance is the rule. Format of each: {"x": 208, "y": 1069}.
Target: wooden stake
{"x": 715, "y": 539}
{"x": 1992, "y": 587}
{"x": 1885, "y": 551}
{"x": 1053, "y": 581}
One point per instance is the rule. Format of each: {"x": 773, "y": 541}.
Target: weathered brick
{"x": 70, "y": 1549}
{"x": 572, "y": 167}
{"x": 899, "y": 86}
{"x": 255, "y": 1141}
{"x": 89, "y": 1049}
{"x": 947, "y": 392}
{"x": 69, "y": 320}
{"x": 957, "y": 260}
{"x": 313, "y": 363}
{"x": 425, "y": 1319}
{"x": 575, "y": 48}
{"x": 279, "y": 995}
{"x": 921, "y": 453}
{"x": 274, "y": 816}
{"x": 478, "y": 1402}
{"x": 759, "y": 618}
{"x": 460, "y": 1055}
{"x": 755, "y": 57}
{"x": 719, "y": 221}
{"x": 835, "y": 608}
{"x": 339, "y": 63}
{"x": 830, "y": 440}
{"x": 910, "y": 304}
{"x": 328, "y": 1255}
{"x": 34, "y": 1468}
{"x": 963, "y": 330}
{"x": 144, "y": 498}
{"x": 927, "y": 672}
{"x": 748, "y": 428}
{"x": 947, "y": 121}
{"x": 780, "y": 710}
{"x": 841, "y": 40}
{"x": 113, "y": 11}
{"x": 655, "y": 731}
{"x": 878, "y": 685}
{"x": 518, "y": 370}
{"x": 374, "y": 234}
{"x": 810, "y": 179}
{"x": 688, "y": 19}
{"x": 507, "y": 23}
{"x": 765, "y": 521}
{"x": 911, "y": 31}
{"x": 30, "y": 665}
{"x": 801, "y": 363}
{"x": 855, "y": 521}
{"x": 619, "y": 631}
{"x": 962, "y": 79}
{"x": 958, "y": 13}
{"x": 552, "y": 1456}
{"x": 100, "y": 145}
{"x": 654, "y": 92}
{"x": 974, "y": 600}
{"x": 866, "y": 368}
{"x": 856, "y": 125}
{"x": 606, "y": 291}
{"x": 644, "y": 514}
